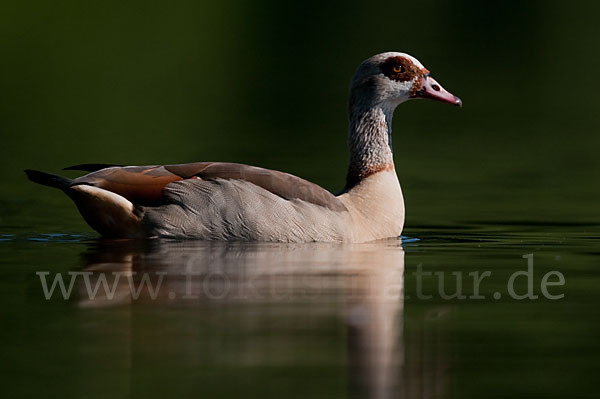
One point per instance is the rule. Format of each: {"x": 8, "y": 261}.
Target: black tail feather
{"x": 48, "y": 179}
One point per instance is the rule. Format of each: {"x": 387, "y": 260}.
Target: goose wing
{"x": 144, "y": 185}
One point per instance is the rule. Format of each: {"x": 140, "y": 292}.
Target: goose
{"x": 230, "y": 201}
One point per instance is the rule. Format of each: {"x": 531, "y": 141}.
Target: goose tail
{"x": 48, "y": 179}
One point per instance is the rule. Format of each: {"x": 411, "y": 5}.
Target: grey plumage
{"x": 220, "y": 209}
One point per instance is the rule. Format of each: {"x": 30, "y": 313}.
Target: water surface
{"x": 316, "y": 320}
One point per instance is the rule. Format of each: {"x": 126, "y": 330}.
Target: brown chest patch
{"x": 356, "y": 175}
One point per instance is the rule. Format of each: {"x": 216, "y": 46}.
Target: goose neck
{"x": 369, "y": 142}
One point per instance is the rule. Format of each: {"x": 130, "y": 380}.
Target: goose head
{"x": 389, "y": 79}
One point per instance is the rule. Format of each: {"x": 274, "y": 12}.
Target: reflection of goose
{"x": 225, "y": 201}
{"x": 307, "y": 284}
{"x": 238, "y": 305}
{"x": 189, "y": 272}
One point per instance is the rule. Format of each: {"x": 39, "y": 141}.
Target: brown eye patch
{"x": 400, "y": 69}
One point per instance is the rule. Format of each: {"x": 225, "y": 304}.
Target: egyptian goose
{"x": 228, "y": 201}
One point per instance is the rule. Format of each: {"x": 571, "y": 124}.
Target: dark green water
{"x": 514, "y": 173}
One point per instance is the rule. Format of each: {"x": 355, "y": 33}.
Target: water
{"x": 506, "y": 183}
{"x": 316, "y": 320}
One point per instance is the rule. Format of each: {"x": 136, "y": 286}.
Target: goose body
{"x": 228, "y": 201}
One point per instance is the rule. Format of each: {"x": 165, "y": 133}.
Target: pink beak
{"x": 433, "y": 90}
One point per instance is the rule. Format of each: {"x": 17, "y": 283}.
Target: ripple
{"x": 409, "y": 240}
{"x": 44, "y": 237}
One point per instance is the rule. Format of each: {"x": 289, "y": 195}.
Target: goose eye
{"x": 398, "y": 68}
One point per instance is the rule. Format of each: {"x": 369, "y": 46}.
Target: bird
{"x": 231, "y": 201}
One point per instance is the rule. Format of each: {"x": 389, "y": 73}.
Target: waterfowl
{"x": 229, "y": 201}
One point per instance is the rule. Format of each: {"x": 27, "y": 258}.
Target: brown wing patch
{"x": 142, "y": 185}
